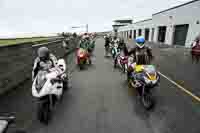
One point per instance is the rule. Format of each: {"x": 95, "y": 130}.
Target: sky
{"x": 50, "y": 16}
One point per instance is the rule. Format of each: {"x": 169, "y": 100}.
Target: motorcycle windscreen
{"x": 150, "y": 68}
{"x": 40, "y": 80}
{"x": 151, "y": 71}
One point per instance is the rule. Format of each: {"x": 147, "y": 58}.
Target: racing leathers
{"x": 141, "y": 56}
{"x": 43, "y": 65}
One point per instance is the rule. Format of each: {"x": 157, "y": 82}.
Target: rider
{"x": 196, "y": 41}
{"x": 107, "y": 41}
{"x": 44, "y": 61}
{"x": 85, "y": 44}
{"x": 142, "y": 54}
{"x": 122, "y": 47}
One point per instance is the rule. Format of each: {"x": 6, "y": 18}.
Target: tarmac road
{"x": 100, "y": 102}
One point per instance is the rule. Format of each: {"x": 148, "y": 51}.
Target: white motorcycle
{"x": 47, "y": 87}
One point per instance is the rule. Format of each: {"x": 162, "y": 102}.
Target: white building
{"x": 175, "y": 26}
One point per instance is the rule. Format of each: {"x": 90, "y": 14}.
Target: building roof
{"x": 124, "y": 21}
{"x": 143, "y": 20}
{"x": 118, "y": 25}
{"x": 176, "y": 7}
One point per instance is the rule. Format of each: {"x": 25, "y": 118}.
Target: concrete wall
{"x": 16, "y": 62}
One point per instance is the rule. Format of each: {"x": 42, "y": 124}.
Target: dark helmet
{"x": 43, "y": 53}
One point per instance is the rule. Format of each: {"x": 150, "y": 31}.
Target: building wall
{"x": 187, "y": 14}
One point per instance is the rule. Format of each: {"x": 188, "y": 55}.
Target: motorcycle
{"x": 114, "y": 50}
{"x": 48, "y": 88}
{"x": 122, "y": 62}
{"x": 5, "y": 122}
{"x": 144, "y": 78}
{"x": 82, "y": 58}
{"x": 107, "y": 49}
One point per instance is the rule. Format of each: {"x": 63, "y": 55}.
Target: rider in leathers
{"x": 44, "y": 61}
{"x": 142, "y": 54}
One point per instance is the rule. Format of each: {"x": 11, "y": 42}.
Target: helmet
{"x": 140, "y": 41}
{"x": 43, "y": 53}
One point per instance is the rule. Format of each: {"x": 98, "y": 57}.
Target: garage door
{"x": 162, "y": 34}
{"x": 134, "y": 36}
{"x": 180, "y": 34}
{"x": 147, "y": 34}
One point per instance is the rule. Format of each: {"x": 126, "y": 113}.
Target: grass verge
{"x": 15, "y": 41}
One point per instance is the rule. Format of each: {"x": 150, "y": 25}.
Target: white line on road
{"x": 180, "y": 87}
{"x": 44, "y": 43}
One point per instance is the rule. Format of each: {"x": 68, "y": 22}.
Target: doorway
{"x": 180, "y": 34}
{"x": 161, "y": 33}
{"x": 147, "y": 34}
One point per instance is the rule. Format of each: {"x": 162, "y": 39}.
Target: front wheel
{"x": 44, "y": 112}
{"x": 147, "y": 101}
{"x": 115, "y": 62}
{"x": 81, "y": 66}
{"x": 47, "y": 113}
{"x": 124, "y": 68}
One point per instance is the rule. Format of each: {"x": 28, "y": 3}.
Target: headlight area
{"x": 147, "y": 81}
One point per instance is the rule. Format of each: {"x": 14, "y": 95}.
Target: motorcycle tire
{"x": 147, "y": 101}
{"x": 113, "y": 56}
{"x": 115, "y": 63}
{"x": 46, "y": 113}
{"x": 90, "y": 62}
{"x": 81, "y": 67}
{"x": 39, "y": 112}
{"x": 123, "y": 68}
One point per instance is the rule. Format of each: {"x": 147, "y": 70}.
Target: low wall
{"x": 16, "y": 61}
